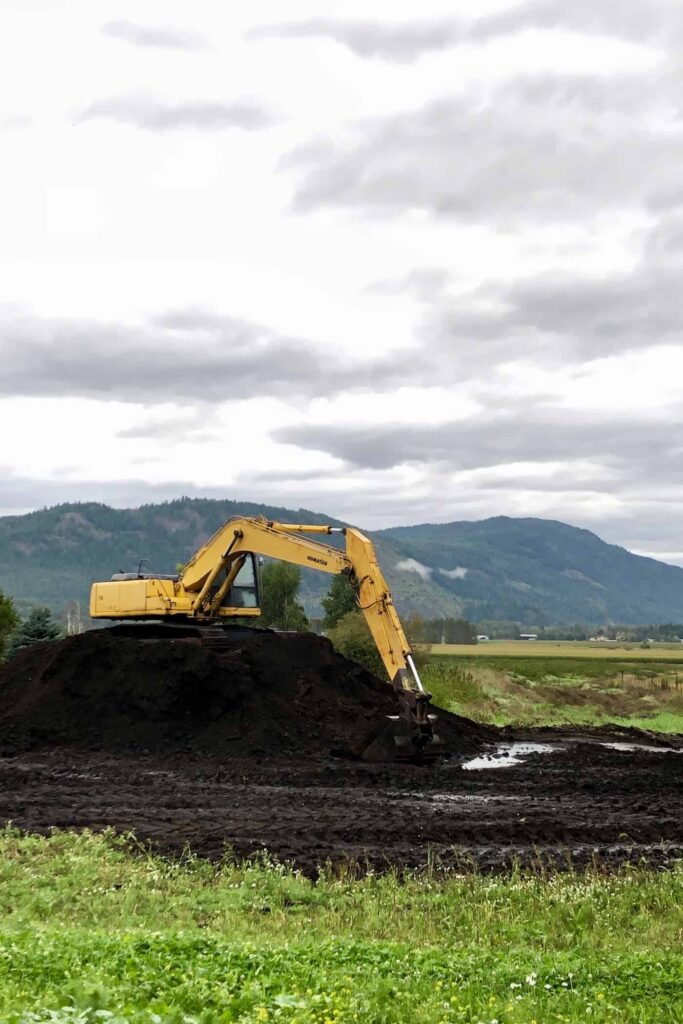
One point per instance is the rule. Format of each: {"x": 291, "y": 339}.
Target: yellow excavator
{"x": 221, "y": 582}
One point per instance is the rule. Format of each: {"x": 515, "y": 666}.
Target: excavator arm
{"x": 200, "y": 593}
{"x": 225, "y": 552}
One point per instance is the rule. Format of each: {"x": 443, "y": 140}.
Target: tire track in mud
{"x": 580, "y": 804}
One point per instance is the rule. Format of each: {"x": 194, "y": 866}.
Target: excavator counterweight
{"x": 221, "y": 582}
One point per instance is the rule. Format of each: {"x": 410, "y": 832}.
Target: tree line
{"x": 343, "y": 622}
{"x": 17, "y": 633}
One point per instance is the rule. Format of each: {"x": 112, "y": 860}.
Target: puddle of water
{"x": 468, "y": 798}
{"x": 516, "y": 753}
{"x": 508, "y": 754}
{"x": 642, "y": 746}
{"x": 27, "y": 766}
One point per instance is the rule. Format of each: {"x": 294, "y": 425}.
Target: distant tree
{"x": 460, "y": 631}
{"x": 446, "y": 631}
{"x": 8, "y": 621}
{"x": 339, "y": 601}
{"x": 38, "y": 626}
{"x": 416, "y": 628}
{"x": 418, "y": 633}
{"x": 500, "y": 629}
{"x": 352, "y": 638}
{"x": 280, "y": 607}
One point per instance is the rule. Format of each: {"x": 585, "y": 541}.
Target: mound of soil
{"x": 264, "y": 694}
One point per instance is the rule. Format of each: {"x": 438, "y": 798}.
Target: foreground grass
{"x": 536, "y": 691}
{"x": 92, "y": 932}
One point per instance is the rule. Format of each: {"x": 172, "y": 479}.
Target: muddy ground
{"x": 581, "y": 803}
{"x": 245, "y": 746}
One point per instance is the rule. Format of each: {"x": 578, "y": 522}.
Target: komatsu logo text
{"x": 318, "y": 561}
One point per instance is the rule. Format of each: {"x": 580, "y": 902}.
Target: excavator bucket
{"x": 406, "y": 736}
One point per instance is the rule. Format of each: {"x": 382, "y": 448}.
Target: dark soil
{"x": 260, "y": 693}
{"x": 231, "y": 751}
{"x": 582, "y": 804}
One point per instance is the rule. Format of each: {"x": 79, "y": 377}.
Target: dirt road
{"x": 580, "y": 802}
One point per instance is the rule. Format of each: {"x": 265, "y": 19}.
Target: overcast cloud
{"x": 403, "y": 42}
{"x": 632, "y": 449}
{"x": 547, "y": 148}
{"x": 156, "y": 116}
{"x": 659, "y": 21}
{"x": 155, "y": 36}
{"x": 418, "y": 262}
{"x": 184, "y": 356}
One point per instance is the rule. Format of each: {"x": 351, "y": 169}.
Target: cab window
{"x": 244, "y": 591}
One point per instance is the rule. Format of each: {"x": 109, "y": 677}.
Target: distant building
{"x": 528, "y": 636}
{"x": 482, "y": 638}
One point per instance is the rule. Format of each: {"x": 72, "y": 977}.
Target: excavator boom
{"x": 205, "y": 592}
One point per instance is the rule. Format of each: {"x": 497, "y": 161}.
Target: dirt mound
{"x": 264, "y": 694}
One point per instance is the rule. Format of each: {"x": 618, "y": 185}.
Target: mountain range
{"x": 532, "y": 571}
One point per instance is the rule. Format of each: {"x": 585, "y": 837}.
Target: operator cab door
{"x": 245, "y": 590}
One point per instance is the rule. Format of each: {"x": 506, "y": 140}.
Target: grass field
{"x": 90, "y": 932}
{"x": 547, "y": 686}
{"x": 562, "y": 649}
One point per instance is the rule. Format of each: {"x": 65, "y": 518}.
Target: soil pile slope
{"x": 266, "y": 694}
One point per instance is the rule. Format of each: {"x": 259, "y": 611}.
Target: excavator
{"x": 221, "y": 582}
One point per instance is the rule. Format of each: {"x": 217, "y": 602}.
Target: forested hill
{"x": 542, "y": 571}
{"x": 533, "y": 571}
{"x": 53, "y": 555}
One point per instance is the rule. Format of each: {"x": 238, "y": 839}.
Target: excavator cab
{"x": 234, "y": 593}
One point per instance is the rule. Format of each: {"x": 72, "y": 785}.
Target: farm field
{"x": 547, "y": 688}
{"x": 561, "y": 649}
{"x": 95, "y": 930}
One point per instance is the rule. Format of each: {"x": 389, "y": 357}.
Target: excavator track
{"x": 211, "y": 637}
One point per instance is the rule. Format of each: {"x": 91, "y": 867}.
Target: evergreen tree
{"x": 339, "y": 601}
{"x": 280, "y": 607}
{"x": 8, "y": 621}
{"x": 38, "y": 626}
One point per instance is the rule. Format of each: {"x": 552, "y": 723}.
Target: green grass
{"x": 668, "y": 723}
{"x": 91, "y": 932}
{"x": 559, "y": 691}
{"x": 539, "y": 668}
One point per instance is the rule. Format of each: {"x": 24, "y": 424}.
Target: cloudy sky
{"x": 395, "y": 262}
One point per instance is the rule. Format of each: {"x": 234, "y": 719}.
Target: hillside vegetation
{"x": 531, "y": 571}
{"x": 540, "y": 571}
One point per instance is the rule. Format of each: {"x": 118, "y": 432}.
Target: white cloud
{"x": 458, "y": 573}
{"x": 412, "y": 565}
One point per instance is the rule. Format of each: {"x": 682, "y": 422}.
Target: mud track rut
{"x": 578, "y": 804}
